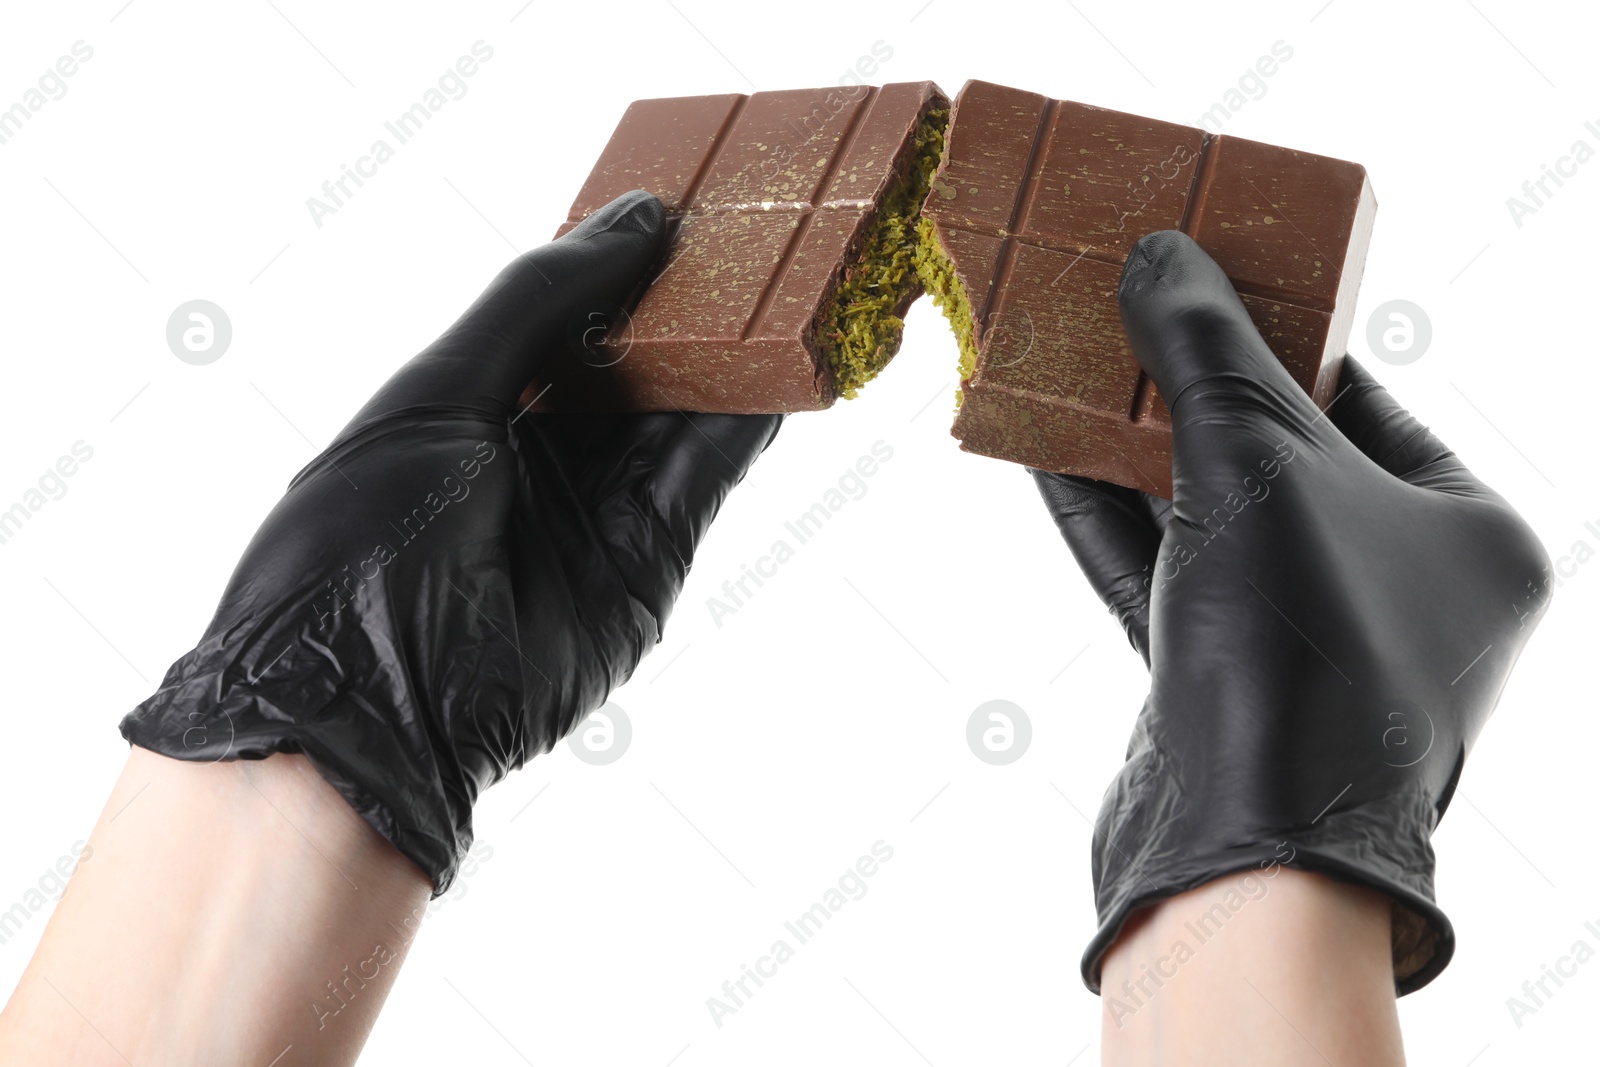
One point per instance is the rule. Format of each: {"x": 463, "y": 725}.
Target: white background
{"x": 829, "y": 712}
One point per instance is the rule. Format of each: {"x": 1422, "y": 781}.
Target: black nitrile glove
{"x": 453, "y": 584}
{"x": 1329, "y": 607}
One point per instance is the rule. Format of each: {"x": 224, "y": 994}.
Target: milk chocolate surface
{"x": 1037, "y": 204}
{"x": 771, "y": 199}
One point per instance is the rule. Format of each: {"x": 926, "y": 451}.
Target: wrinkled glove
{"x": 1329, "y": 606}
{"x": 453, "y": 583}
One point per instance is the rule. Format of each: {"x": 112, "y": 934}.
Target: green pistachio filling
{"x": 861, "y": 331}
{"x": 938, "y": 275}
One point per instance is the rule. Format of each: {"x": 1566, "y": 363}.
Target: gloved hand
{"x": 452, "y": 584}
{"x": 1329, "y": 607}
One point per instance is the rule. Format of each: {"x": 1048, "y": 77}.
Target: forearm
{"x": 1265, "y": 967}
{"x": 227, "y": 912}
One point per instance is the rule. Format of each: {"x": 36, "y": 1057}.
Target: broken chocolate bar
{"x": 792, "y": 232}
{"x": 1025, "y": 231}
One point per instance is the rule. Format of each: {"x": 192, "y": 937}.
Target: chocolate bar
{"x": 792, "y": 233}
{"x": 804, "y": 223}
{"x": 1028, "y": 222}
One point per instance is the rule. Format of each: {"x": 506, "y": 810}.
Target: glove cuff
{"x": 1152, "y": 841}
{"x": 203, "y": 713}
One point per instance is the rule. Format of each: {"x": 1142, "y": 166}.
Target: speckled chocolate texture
{"x": 1038, "y": 202}
{"x": 768, "y": 196}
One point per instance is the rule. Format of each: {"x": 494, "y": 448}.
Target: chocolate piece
{"x": 1029, "y": 220}
{"x": 792, "y": 221}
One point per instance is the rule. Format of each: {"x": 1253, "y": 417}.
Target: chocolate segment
{"x": 1026, "y": 227}
{"x": 792, "y": 224}
{"x": 660, "y": 145}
